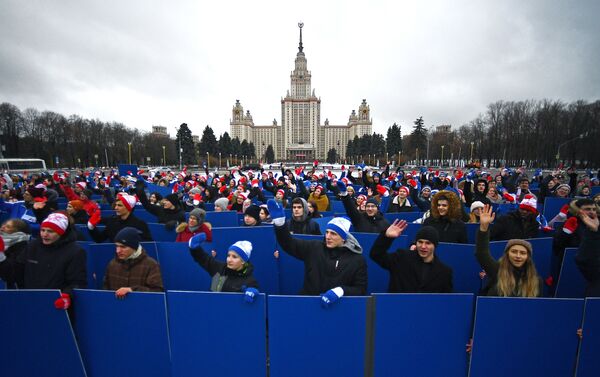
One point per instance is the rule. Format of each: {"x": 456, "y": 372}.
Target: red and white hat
{"x": 56, "y": 221}
{"x": 82, "y": 185}
{"x": 405, "y": 189}
{"x": 280, "y": 191}
{"x": 127, "y": 200}
{"x": 529, "y": 203}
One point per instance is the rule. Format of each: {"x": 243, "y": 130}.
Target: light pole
{"x": 417, "y": 156}
{"x": 207, "y": 160}
{"x": 129, "y": 149}
{"x": 219, "y": 160}
{"x": 442, "y": 159}
{"x": 581, "y": 136}
{"x": 96, "y": 157}
{"x": 472, "y": 144}
{"x": 164, "y": 156}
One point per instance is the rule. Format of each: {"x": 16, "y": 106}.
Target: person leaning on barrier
{"x": 588, "y": 255}
{"x": 131, "y": 269}
{"x": 333, "y": 267}
{"x": 412, "y": 271}
{"x": 235, "y": 275}
{"x": 514, "y": 274}
{"x": 52, "y": 261}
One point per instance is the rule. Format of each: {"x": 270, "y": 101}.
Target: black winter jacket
{"x": 114, "y": 224}
{"x": 224, "y": 279}
{"x": 512, "y": 225}
{"x": 408, "y": 272}
{"x": 326, "y": 268}
{"x": 453, "y": 231}
{"x": 588, "y": 261}
{"x": 361, "y": 221}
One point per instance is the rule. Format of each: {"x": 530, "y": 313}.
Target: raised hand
{"x": 589, "y": 221}
{"x": 486, "y": 217}
{"x": 396, "y": 229}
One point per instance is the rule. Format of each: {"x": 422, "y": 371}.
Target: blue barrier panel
{"x": 263, "y": 247}
{"x": 179, "y": 270}
{"x": 84, "y": 232}
{"x": 162, "y": 190}
{"x": 144, "y": 215}
{"x": 307, "y": 340}
{"x": 542, "y": 253}
{"x": 323, "y": 223}
{"x": 337, "y": 206}
{"x": 410, "y": 334}
{"x": 326, "y": 213}
{"x": 222, "y": 219}
{"x": 2, "y": 284}
{"x": 127, "y": 169}
{"x": 378, "y": 278}
{"x": 595, "y": 190}
{"x": 209, "y": 207}
{"x": 525, "y": 337}
{"x": 589, "y": 363}
{"x": 41, "y": 339}
{"x": 570, "y": 282}
{"x": 105, "y": 207}
{"x": 465, "y": 268}
{"x": 160, "y": 233}
{"x": 125, "y": 337}
{"x": 291, "y": 270}
{"x": 552, "y": 206}
{"x": 411, "y": 231}
{"x": 472, "y": 233}
{"x": 218, "y": 344}
{"x": 408, "y": 216}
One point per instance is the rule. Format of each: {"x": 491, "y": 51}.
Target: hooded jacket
{"x": 305, "y": 225}
{"x": 450, "y": 227}
{"x": 60, "y": 265}
{"x": 512, "y": 225}
{"x": 472, "y": 195}
{"x": 326, "y": 268}
{"x": 224, "y": 279}
{"x": 363, "y": 222}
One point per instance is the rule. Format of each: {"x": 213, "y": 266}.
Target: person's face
{"x": 350, "y": 190}
{"x": 123, "y": 252}
{"x": 249, "y": 220}
{"x": 234, "y": 262}
{"x": 297, "y": 210}
{"x": 317, "y": 192}
{"x": 442, "y": 207}
{"x": 263, "y": 214}
{"x": 27, "y": 196}
{"x": 526, "y": 213}
{"x": 492, "y": 192}
{"x": 70, "y": 209}
{"x": 279, "y": 196}
{"x": 517, "y": 255}
{"x": 524, "y": 185}
{"x": 218, "y": 209}
{"x": 311, "y": 209}
{"x": 371, "y": 209}
{"x": 585, "y": 191}
{"x": 193, "y": 221}
{"x": 476, "y": 212}
{"x": 48, "y": 236}
{"x": 426, "y": 193}
{"x": 590, "y": 210}
{"x": 167, "y": 204}
{"x": 498, "y": 179}
{"x": 562, "y": 192}
{"x": 240, "y": 199}
{"x": 332, "y": 239}
{"x": 120, "y": 209}
{"x": 402, "y": 194}
{"x": 481, "y": 186}
{"x": 425, "y": 249}
{"x": 551, "y": 183}
{"x": 152, "y": 199}
{"x": 8, "y": 227}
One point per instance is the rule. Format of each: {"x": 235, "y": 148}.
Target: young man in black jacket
{"x": 300, "y": 222}
{"x": 412, "y": 271}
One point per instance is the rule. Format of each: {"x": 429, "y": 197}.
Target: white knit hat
{"x": 82, "y": 185}
{"x": 243, "y": 249}
{"x": 127, "y": 200}
{"x": 340, "y": 225}
{"x": 476, "y": 204}
{"x": 529, "y": 203}
{"x": 57, "y": 221}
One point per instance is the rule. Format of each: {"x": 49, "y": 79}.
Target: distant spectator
{"x": 196, "y": 224}
{"x": 588, "y": 255}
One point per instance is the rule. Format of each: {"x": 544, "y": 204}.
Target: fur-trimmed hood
{"x": 454, "y": 205}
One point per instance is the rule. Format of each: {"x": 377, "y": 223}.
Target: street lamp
{"x": 581, "y": 136}
{"x": 442, "y": 159}
{"x": 129, "y": 149}
{"x": 472, "y": 144}
{"x": 219, "y": 160}
{"x": 417, "y": 156}
{"x": 207, "y": 160}
{"x": 96, "y": 157}
{"x": 164, "y": 156}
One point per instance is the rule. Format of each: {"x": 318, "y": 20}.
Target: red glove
{"x": 549, "y": 281}
{"x": 94, "y": 219}
{"x": 382, "y": 190}
{"x": 509, "y": 197}
{"x": 570, "y": 225}
{"x": 343, "y": 167}
{"x": 564, "y": 209}
{"x": 63, "y": 302}
{"x": 197, "y": 199}
{"x": 412, "y": 183}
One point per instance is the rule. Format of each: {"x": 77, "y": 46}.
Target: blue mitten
{"x": 276, "y": 211}
{"x": 250, "y": 295}
{"x": 197, "y": 240}
{"x": 331, "y": 296}
{"x": 343, "y": 188}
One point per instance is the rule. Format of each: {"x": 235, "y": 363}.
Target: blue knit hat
{"x": 340, "y": 225}
{"x": 129, "y": 236}
{"x": 243, "y": 249}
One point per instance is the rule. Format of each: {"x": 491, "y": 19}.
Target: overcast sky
{"x": 147, "y": 63}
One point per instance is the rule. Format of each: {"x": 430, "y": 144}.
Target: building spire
{"x": 300, "y": 25}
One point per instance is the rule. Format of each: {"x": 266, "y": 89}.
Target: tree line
{"x": 543, "y": 133}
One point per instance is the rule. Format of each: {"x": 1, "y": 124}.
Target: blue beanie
{"x": 129, "y": 236}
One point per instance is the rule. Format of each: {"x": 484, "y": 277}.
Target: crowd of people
{"x": 39, "y": 249}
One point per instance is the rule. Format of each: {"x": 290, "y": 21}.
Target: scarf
{"x": 11, "y": 239}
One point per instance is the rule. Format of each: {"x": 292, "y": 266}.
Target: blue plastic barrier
{"x": 160, "y": 233}
{"x": 408, "y": 216}
{"x": 307, "y": 340}
{"x": 210, "y": 343}
{"x": 337, "y": 206}
{"x": 408, "y": 324}
{"x": 323, "y": 223}
{"x": 2, "y": 284}
{"x": 525, "y": 337}
{"x": 179, "y": 270}
{"x": 263, "y": 247}
{"x": 589, "y": 363}
{"x": 122, "y": 337}
{"x": 40, "y": 340}
{"x": 84, "y": 232}
{"x": 472, "y": 233}
{"x": 595, "y": 190}
{"x": 465, "y": 268}
{"x": 552, "y": 206}
{"x": 291, "y": 270}
{"x": 570, "y": 283}
{"x": 222, "y": 219}
{"x": 542, "y": 253}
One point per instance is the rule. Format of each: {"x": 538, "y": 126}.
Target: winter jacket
{"x": 512, "y": 225}
{"x": 304, "y": 225}
{"x": 141, "y": 274}
{"x": 321, "y": 200}
{"x": 397, "y": 206}
{"x": 170, "y": 217}
{"x": 184, "y": 233}
{"x": 363, "y": 222}
{"x": 15, "y": 244}
{"x": 326, "y": 268}
{"x": 60, "y": 265}
{"x": 224, "y": 279}
{"x": 114, "y": 224}
{"x": 472, "y": 195}
{"x": 452, "y": 231}
{"x": 408, "y": 272}
{"x": 588, "y": 262}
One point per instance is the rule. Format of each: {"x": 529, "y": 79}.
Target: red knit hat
{"x": 529, "y": 203}
{"x": 127, "y": 200}
{"x": 57, "y": 221}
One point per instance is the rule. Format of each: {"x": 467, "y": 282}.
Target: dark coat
{"x": 170, "y": 217}
{"x": 361, "y": 221}
{"x": 326, "y": 268}
{"x": 141, "y": 274}
{"x": 224, "y": 279}
{"x": 61, "y": 265}
{"x": 588, "y": 262}
{"x": 12, "y": 254}
{"x": 452, "y": 231}
{"x": 308, "y": 226}
{"x": 512, "y": 225}
{"x": 408, "y": 272}
{"x": 114, "y": 224}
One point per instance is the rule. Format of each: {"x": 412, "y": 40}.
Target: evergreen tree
{"x": 269, "y": 155}
{"x": 350, "y": 149}
{"x": 377, "y": 145}
{"x": 394, "y": 139}
{"x": 184, "y": 138}
{"x": 224, "y": 144}
{"x": 236, "y": 148}
{"x": 208, "y": 142}
{"x": 251, "y": 150}
{"x": 419, "y": 134}
{"x": 331, "y": 156}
